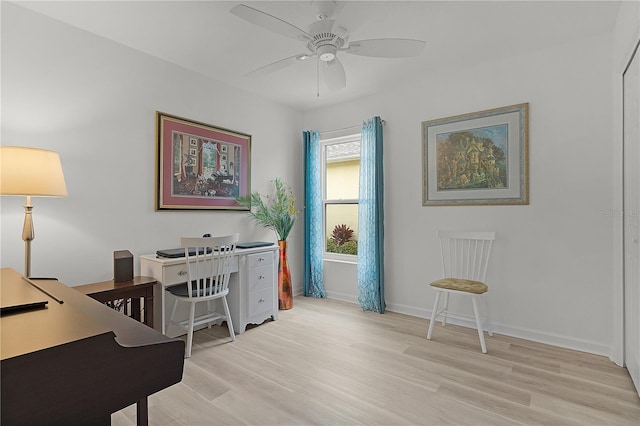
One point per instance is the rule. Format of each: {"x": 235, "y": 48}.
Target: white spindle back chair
{"x": 465, "y": 257}
{"x": 208, "y": 261}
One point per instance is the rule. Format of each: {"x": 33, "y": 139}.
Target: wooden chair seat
{"x": 182, "y": 290}
{"x": 460, "y": 284}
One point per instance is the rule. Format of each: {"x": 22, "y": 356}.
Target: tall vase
{"x": 285, "y": 292}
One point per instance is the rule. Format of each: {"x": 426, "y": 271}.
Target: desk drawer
{"x": 259, "y": 278}
{"x": 258, "y": 260}
{"x": 260, "y": 302}
{"x": 175, "y": 274}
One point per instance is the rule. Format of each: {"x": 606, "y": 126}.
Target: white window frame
{"x": 328, "y": 256}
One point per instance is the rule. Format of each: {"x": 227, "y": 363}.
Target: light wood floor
{"x": 328, "y": 363}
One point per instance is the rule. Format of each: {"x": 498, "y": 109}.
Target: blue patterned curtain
{"x": 313, "y": 244}
{"x": 371, "y": 219}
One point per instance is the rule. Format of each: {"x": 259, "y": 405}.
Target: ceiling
{"x": 205, "y": 37}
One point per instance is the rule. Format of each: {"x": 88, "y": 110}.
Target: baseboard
{"x": 344, "y": 297}
{"x": 521, "y": 333}
{"x": 469, "y": 322}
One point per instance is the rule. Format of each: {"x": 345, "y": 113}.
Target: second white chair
{"x": 465, "y": 256}
{"x": 209, "y": 262}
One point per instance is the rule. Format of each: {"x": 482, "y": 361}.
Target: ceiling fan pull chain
{"x": 318, "y": 76}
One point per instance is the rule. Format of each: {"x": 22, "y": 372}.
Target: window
{"x": 340, "y": 178}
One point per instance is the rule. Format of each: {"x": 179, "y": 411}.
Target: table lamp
{"x": 30, "y": 172}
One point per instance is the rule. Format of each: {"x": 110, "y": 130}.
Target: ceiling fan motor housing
{"x": 325, "y": 45}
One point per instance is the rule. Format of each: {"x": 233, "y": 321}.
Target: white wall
{"x": 94, "y": 102}
{"x": 550, "y": 279}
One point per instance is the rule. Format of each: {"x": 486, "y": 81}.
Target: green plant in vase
{"x": 276, "y": 211}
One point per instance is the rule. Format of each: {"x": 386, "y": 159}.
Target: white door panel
{"x": 631, "y": 81}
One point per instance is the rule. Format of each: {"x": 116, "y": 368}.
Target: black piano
{"x": 67, "y": 359}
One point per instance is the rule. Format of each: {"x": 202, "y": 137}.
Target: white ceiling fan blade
{"x": 386, "y": 47}
{"x": 334, "y": 74}
{"x": 269, "y": 22}
{"x": 278, "y": 65}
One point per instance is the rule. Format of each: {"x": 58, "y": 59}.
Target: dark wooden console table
{"x": 136, "y": 289}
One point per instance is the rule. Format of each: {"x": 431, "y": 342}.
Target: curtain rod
{"x": 346, "y": 128}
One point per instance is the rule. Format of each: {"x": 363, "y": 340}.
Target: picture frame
{"x": 480, "y": 158}
{"x": 191, "y": 173}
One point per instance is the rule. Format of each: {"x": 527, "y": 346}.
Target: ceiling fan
{"x": 324, "y": 39}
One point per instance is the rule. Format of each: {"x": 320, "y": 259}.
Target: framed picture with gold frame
{"x": 480, "y": 158}
{"x": 200, "y": 166}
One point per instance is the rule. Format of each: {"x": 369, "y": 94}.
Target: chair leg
{"x": 173, "y": 312}
{"x": 434, "y": 314}
{"x": 479, "y": 324}
{"x": 209, "y": 312}
{"x": 487, "y": 317}
{"x": 446, "y": 309}
{"x": 192, "y": 313}
{"x": 228, "y": 315}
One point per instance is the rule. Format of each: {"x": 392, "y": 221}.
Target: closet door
{"x": 631, "y": 164}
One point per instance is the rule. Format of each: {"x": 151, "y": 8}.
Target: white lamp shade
{"x": 31, "y": 172}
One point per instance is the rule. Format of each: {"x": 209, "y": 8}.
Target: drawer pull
{"x": 261, "y": 259}
{"x": 261, "y": 277}
{"x": 182, "y": 273}
{"x": 261, "y": 300}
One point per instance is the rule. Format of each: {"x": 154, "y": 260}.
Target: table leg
{"x": 142, "y": 412}
{"x": 160, "y": 293}
{"x": 148, "y": 307}
{"x": 135, "y": 308}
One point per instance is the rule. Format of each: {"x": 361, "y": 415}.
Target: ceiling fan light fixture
{"x": 326, "y": 53}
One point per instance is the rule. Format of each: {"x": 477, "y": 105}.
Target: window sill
{"x": 353, "y": 260}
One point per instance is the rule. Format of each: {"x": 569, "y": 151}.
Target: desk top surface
{"x": 110, "y": 285}
{"x": 239, "y": 252}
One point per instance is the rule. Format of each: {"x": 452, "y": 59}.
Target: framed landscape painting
{"x": 481, "y": 158}
{"x": 200, "y": 166}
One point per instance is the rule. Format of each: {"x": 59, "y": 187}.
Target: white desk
{"x": 253, "y": 287}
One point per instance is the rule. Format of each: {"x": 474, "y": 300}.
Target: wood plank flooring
{"x": 326, "y": 362}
